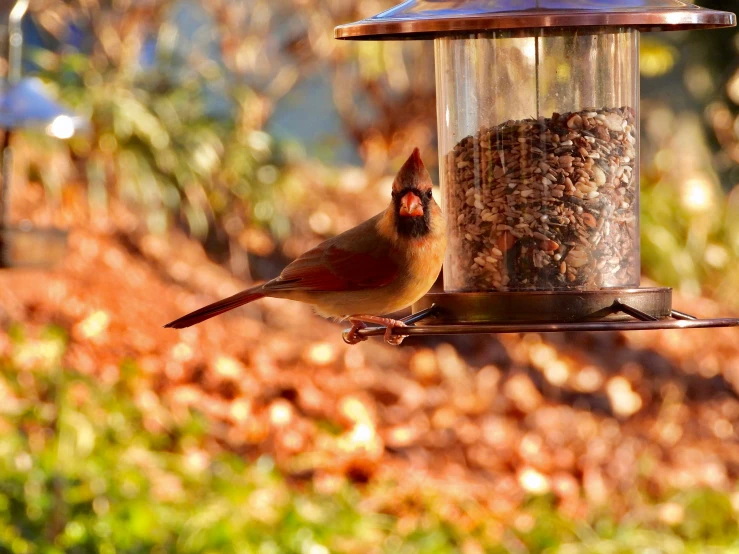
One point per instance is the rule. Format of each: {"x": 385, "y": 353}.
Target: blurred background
{"x": 226, "y": 138}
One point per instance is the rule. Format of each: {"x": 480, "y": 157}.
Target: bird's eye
{"x": 429, "y": 194}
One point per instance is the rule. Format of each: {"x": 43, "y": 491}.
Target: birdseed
{"x": 545, "y": 204}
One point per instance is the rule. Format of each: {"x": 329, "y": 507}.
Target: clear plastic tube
{"x": 539, "y": 142}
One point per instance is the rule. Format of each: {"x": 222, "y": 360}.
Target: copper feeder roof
{"x": 424, "y": 19}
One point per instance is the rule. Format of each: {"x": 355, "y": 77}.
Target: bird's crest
{"x": 413, "y": 174}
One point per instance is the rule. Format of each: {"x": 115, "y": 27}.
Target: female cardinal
{"x": 383, "y": 265}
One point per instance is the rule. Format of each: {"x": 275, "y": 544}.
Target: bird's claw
{"x": 394, "y": 340}
{"x": 352, "y": 336}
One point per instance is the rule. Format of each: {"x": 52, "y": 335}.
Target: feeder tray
{"x": 538, "y": 126}
{"x": 639, "y": 322}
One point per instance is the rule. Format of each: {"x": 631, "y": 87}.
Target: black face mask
{"x": 412, "y": 226}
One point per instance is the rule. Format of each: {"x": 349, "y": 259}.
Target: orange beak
{"x": 410, "y": 205}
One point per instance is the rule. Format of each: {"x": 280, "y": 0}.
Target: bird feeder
{"x": 24, "y": 104}
{"x": 538, "y": 130}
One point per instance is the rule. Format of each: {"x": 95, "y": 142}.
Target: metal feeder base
{"x": 545, "y": 306}
{"x": 544, "y": 312}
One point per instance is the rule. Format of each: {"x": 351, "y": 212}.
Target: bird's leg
{"x": 387, "y": 322}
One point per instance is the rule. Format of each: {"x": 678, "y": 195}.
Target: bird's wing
{"x": 355, "y": 260}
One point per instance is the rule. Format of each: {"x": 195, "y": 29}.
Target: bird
{"x": 382, "y": 265}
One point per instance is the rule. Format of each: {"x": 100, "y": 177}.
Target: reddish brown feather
{"x": 413, "y": 174}
{"x": 365, "y": 270}
{"x": 217, "y": 308}
{"x": 330, "y": 268}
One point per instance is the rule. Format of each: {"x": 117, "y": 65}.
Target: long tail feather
{"x": 217, "y": 308}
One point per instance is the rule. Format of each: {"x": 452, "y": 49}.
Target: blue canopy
{"x": 26, "y": 105}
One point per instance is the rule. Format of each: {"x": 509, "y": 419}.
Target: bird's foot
{"x": 395, "y": 340}
{"x": 358, "y": 322}
{"x": 352, "y": 336}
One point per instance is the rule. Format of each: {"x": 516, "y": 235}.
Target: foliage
{"x": 156, "y": 138}
{"x": 690, "y": 233}
{"x": 83, "y": 470}
{"x": 176, "y": 137}
{"x": 90, "y": 464}
{"x": 86, "y": 467}
{"x": 689, "y": 246}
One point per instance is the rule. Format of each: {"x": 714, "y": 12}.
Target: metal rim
{"x": 640, "y": 322}
{"x": 478, "y": 328}
{"x": 647, "y": 20}
{"x": 547, "y": 306}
